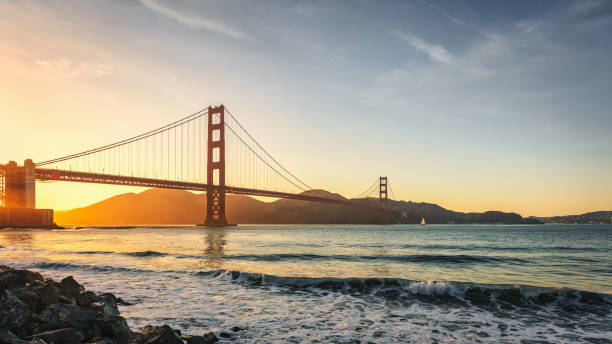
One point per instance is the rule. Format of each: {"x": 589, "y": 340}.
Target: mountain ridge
{"x": 163, "y": 206}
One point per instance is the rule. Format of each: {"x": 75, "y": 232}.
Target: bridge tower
{"x": 215, "y": 168}
{"x": 383, "y": 200}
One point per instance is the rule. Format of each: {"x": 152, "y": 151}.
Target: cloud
{"x": 65, "y": 69}
{"x": 195, "y": 21}
{"x": 592, "y": 10}
{"x": 434, "y": 51}
{"x": 509, "y": 75}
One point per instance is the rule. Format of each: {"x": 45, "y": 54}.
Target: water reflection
{"x": 215, "y": 245}
{"x": 17, "y": 238}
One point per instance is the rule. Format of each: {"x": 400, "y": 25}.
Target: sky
{"x": 473, "y": 105}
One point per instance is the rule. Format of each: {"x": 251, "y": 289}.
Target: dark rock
{"x": 67, "y": 299}
{"x": 224, "y": 335}
{"x": 17, "y": 278}
{"x": 6, "y": 336}
{"x": 4, "y": 268}
{"x": 105, "y": 309}
{"x": 160, "y": 335}
{"x": 101, "y": 340}
{"x": 70, "y": 287}
{"x": 86, "y": 298}
{"x": 208, "y": 338}
{"x": 61, "y": 336}
{"x": 122, "y": 302}
{"x": 82, "y": 319}
{"x": 108, "y": 297}
{"x": 14, "y": 314}
{"x": 30, "y": 298}
{"x": 115, "y": 328}
{"x": 236, "y": 329}
{"x": 48, "y": 292}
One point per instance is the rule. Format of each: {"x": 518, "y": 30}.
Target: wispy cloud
{"x": 66, "y": 69}
{"x": 434, "y": 51}
{"x": 195, "y": 21}
{"x": 592, "y": 10}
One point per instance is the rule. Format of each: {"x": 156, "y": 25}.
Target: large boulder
{"x": 160, "y": 335}
{"x": 69, "y": 287}
{"x": 48, "y": 291}
{"x": 14, "y": 313}
{"x": 67, "y": 315}
{"x": 86, "y": 298}
{"x": 30, "y": 298}
{"x": 17, "y": 278}
{"x": 61, "y": 336}
{"x": 105, "y": 309}
{"x": 208, "y": 338}
{"x": 115, "y": 328}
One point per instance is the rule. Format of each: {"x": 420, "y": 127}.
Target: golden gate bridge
{"x": 207, "y": 151}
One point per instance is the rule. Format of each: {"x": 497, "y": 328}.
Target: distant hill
{"x": 593, "y": 217}
{"x": 162, "y": 206}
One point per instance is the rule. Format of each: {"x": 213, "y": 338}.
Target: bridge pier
{"x": 18, "y": 198}
{"x": 383, "y": 200}
{"x": 215, "y": 168}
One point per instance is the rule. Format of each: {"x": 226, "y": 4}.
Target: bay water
{"x": 343, "y": 283}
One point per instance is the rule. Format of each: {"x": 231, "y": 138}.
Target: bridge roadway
{"x": 97, "y": 178}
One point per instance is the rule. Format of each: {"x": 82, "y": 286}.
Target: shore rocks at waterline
{"x": 36, "y": 310}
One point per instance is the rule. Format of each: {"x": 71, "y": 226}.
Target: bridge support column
{"x": 215, "y": 168}
{"x": 383, "y": 200}
{"x": 19, "y": 185}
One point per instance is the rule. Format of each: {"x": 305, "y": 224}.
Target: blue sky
{"x": 474, "y": 105}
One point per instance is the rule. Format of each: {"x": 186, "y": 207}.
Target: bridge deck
{"x": 97, "y": 178}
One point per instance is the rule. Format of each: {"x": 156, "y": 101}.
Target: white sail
{"x": 422, "y": 221}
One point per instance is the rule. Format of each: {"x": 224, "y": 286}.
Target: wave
{"x": 404, "y": 290}
{"x": 416, "y": 258}
{"x": 390, "y": 289}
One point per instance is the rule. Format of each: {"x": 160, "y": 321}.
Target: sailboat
{"x": 422, "y": 221}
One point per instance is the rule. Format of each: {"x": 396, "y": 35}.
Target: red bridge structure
{"x": 206, "y": 151}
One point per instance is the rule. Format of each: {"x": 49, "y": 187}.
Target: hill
{"x": 591, "y": 218}
{"x": 161, "y": 206}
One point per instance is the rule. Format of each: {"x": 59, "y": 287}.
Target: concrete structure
{"x": 20, "y": 185}
{"x": 24, "y": 217}
{"x": 18, "y": 197}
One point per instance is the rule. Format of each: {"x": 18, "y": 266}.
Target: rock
{"x": 208, "y": 338}
{"x": 30, "y": 298}
{"x": 101, "y": 340}
{"x": 48, "y": 292}
{"x": 14, "y": 314}
{"x": 160, "y": 335}
{"x": 86, "y": 298}
{"x": 105, "y": 309}
{"x": 70, "y": 287}
{"x": 225, "y": 335}
{"x": 8, "y": 337}
{"x": 82, "y": 319}
{"x": 236, "y": 329}
{"x": 61, "y": 336}
{"x": 122, "y": 302}
{"x": 115, "y": 328}
{"x": 67, "y": 299}
{"x": 17, "y": 278}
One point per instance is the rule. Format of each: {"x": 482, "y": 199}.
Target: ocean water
{"x": 344, "y": 284}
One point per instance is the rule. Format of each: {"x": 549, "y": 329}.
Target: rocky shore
{"x": 34, "y": 309}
